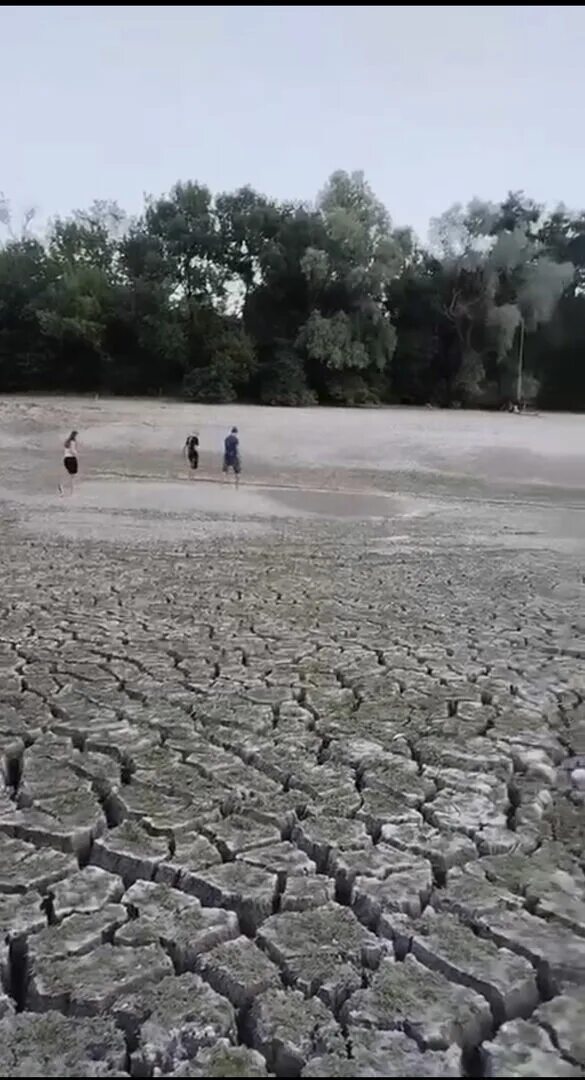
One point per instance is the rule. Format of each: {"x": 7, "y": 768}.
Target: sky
{"x": 434, "y": 104}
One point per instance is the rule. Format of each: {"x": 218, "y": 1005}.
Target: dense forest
{"x": 241, "y": 297}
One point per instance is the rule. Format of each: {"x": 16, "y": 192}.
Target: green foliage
{"x": 223, "y": 362}
{"x": 247, "y": 222}
{"x": 281, "y": 379}
{"x": 240, "y": 297}
{"x": 330, "y": 342}
{"x": 26, "y": 275}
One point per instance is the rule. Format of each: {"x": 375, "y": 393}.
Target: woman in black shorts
{"x": 71, "y": 463}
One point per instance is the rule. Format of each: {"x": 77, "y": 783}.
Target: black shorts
{"x": 232, "y": 463}
{"x": 71, "y": 464}
{"x": 193, "y": 459}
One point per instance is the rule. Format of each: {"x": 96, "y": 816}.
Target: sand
{"x": 392, "y": 464}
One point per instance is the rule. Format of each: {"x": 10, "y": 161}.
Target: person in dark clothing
{"x": 231, "y": 455}
{"x": 191, "y": 449}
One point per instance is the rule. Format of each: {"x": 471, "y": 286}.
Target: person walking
{"x": 231, "y": 456}
{"x": 191, "y": 450}
{"x": 71, "y": 463}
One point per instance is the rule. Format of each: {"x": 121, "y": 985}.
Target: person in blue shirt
{"x": 231, "y": 455}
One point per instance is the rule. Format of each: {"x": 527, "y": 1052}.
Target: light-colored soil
{"x": 353, "y": 463}
{"x": 248, "y": 736}
{"x": 498, "y": 447}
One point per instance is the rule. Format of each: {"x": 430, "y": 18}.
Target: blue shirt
{"x": 232, "y": 446}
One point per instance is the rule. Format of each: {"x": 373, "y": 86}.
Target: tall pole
{"x": 520, "y": 364}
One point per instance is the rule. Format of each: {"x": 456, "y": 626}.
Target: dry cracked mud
{"x": 292, "y": 797}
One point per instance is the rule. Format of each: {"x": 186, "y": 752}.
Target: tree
{"x": 73, "y": 319}
{"x": 348, "y": 338}
{"x": 184, "y": 223}
{"x": 74, "y": 315}
{"x": 426, "y": 357}
{"x": 226, "y": 360}
{"x": 147, "y": 344}
{"x": 247, "y": 222}
{"x": 279, "y": 305}
{"x": 241, "y": 297}
{"x": 12, "y": 231}
{"x": 497, "y": 276}
{"x": 26, "y": 275}
{"x": 89, "y": 238}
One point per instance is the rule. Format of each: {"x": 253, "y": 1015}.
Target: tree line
{"x": 241, "y": 297}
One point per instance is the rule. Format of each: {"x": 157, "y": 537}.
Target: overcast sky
{"x": 434, "y": 104}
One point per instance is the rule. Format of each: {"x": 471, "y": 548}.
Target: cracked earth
{"x": 291, "y": 783}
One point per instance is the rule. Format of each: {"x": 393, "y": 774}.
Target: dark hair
{"x": 71, "y": 438}
{"x": 234, "y": 431}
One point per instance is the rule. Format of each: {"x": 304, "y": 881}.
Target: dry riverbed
{"x": 292, "y": 778}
